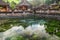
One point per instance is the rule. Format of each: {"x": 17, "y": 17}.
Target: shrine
{"x": 24, "y": 5}
{"x": 4, "y": 7}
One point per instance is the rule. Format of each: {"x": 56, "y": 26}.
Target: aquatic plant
{"x": 53, "y": 27}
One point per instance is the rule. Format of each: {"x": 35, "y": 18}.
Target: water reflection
{"x": 29, "y": 29}
{"x": 36, "y": 28}
{"x": 33, "y": 26}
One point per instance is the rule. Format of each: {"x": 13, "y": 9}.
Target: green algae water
{"x": 30, "y": 29}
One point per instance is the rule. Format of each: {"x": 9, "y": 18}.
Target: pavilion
{"x": 4, "y": 7}
{"x": 24, "y": 5}
{"x": 54, "y": 6}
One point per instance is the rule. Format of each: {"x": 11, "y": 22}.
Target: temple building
{"x": 24, "y": 5}
{"x": 54, "y": 6}
{"x": 44, "y": 7}
{"x": 4, "y": 7}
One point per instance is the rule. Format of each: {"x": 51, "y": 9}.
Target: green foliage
{"x": 48, "y": 2}
{"x": 53, "y": 27}
{"x": 14, "y": 22}
{"x": 12, "y": 5}
{"x": 59, "y": 2}
{"x": 36, "y": 2}
{"x": 17, "y": 38}
{"x": 51, "y": 1}
{"x": 15, "y": 1}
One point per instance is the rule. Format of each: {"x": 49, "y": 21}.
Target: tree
{"x": 51, "y": 1}
{"x": 12, "y": 5}
{"x": 36, "y": 2}
{"x": 9, "y": 1}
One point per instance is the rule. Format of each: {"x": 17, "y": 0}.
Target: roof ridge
{"x": 3, "y": 3}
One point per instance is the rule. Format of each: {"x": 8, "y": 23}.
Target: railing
{"x": 41, "y": 12}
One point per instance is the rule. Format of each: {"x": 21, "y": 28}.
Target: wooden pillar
{"x": 7, "y": 9}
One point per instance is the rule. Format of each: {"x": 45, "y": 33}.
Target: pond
{"x": 30, "y": 29}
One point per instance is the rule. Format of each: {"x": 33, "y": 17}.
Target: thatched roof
{"x": 3, "y": 3}
{"x": 24, "y": 2}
